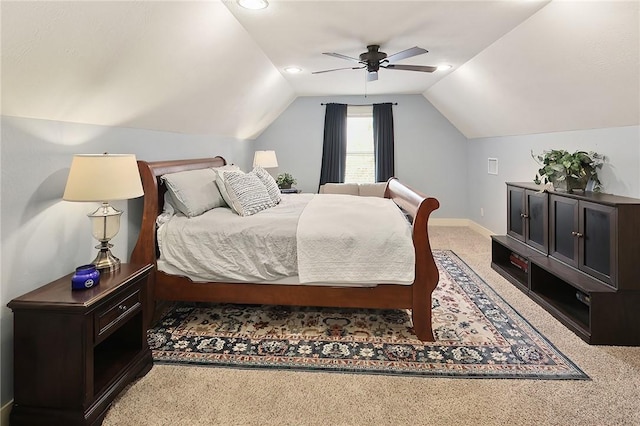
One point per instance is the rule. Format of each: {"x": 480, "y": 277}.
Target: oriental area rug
{"x": 478, "y": 335}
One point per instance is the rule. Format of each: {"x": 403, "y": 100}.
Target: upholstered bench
{"x": 362, "y": 189}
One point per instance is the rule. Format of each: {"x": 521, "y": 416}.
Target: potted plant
{"x": 569, "y": 172}
{"x": 285, "y": 180}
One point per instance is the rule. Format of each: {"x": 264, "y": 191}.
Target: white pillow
{"x": 193, "y": 192}
{"x": 340, "y": 188}
{"x": 220, "y": 172}
{"x": 167, "y": 211}
{"x": 247, "y": 193}
{"x": 372, "y": 189}
{"x": 269, "y": 183}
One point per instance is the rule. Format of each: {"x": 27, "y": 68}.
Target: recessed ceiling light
{"x": 444, "y": 67}
{"x": 253, "y": 4}
{"x": 293, "y": 70}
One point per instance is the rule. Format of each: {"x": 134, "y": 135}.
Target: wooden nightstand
{"x": 74, "y": 351}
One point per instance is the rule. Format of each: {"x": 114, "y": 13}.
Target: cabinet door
{"x": 536, "y": 220}
{"x": 597, "y": 256}
{"x": 516, "y": 212}
{"x": 564, "y": 228}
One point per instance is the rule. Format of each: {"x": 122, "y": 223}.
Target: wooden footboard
{"x": 416, "y": 297}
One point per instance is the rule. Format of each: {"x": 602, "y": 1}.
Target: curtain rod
{"x": 392, "y": 103}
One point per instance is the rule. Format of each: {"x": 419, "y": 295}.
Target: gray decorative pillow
{"x": 247, "y": 193}
{"x": 220, "y": 172}
{"x": 269, "y": 183}
{"x": 193, "y": 192}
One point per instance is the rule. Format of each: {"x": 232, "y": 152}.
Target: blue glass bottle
{"x": 86, "y": 276}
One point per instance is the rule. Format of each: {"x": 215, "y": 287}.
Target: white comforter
{"x": 219, "y": 245}
{"x": 331, "y": 242}
{"x": 344, "y": 238}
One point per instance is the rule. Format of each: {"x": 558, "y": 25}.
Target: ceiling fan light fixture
{"x": 444, "y": 67}
{"x": 373, "y": 59}
{"x": 293, "y": 70}
{"x": 253, "y": 4}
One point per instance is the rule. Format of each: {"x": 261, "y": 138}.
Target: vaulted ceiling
{"x": 518, "y": 67}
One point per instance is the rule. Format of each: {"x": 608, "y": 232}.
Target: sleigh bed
{"x": 164, "y": 286}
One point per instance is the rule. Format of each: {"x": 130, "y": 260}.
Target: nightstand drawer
{"x": 120, "y": 310}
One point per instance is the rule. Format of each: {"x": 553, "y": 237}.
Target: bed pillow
{"x": 220, "y": 172}
{"x": 247, "y": 193}
{"x": 193, "y": 192}
{"x": 372, "y": 189}
{"x": 270, "y": 183}
{"x": 168, "y": 210}
{"x": 340, "y": 188}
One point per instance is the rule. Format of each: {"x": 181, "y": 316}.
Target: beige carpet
{"x": 177, "y": 395}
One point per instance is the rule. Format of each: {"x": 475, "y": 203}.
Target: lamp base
{"x": 106, "y": 262}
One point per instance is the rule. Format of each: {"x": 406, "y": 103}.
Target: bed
{"x": 165, "y": 286}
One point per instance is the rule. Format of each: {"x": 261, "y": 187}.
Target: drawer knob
{"x": 122, "y": 307}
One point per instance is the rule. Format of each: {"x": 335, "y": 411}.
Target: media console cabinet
{"x": 578, "y": 256}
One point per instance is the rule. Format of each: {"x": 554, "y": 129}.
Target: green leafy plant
{"x": 285, "y": 180}
{"x": 569, "y": 171}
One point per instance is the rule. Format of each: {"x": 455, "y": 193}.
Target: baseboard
{"x": 462, "y": 222}
{"x": 4, "y": 413}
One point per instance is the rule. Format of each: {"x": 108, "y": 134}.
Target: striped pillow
{"x": 269, "y": 183}
{"x": 247, "y": 193}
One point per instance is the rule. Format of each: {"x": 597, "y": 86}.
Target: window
{"x": 360, "y": 163}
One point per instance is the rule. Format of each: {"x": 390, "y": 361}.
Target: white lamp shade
{"x": 103, "y": 177}
{"x": 265, "y": 159}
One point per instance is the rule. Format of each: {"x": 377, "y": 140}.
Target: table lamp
{"x": 265, "y": 159}
{"x": 103, "y": 178}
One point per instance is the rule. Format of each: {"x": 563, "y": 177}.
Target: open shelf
{"x": 560, "y": 296}
{"x": 116, "y": 353}
{"x": 501, "y": 249}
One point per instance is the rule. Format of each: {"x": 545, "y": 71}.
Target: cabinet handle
{"x": 524, "y": 215}
{"x": 576, "y": 234}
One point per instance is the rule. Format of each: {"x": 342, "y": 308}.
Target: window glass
{"x": 360, "y": 162}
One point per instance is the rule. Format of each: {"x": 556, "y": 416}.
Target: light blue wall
{"x": 620, "y": 175}
{"x": 430, "y": 152}
{"x": 43, "y": 237}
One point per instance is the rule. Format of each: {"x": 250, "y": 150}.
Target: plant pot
{"x": 285, "y": 186}
{"x": 571, "y": 184}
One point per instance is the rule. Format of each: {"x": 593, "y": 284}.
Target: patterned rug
{"x": 478, "y": 335}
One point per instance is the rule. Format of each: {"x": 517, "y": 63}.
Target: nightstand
{"x": 75, "y": 350}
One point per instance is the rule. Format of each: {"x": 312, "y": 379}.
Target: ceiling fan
{"x": 373, "y": 59}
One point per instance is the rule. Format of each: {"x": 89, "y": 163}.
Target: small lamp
{"x": 104, "y": 177}
{"x": 265, "y": 159}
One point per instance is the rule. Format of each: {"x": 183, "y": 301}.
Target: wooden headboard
{"x": 154, "y": 189}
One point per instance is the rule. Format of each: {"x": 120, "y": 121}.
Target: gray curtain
{"x": 334, "y": 149}
{"x": 383, "y": 141}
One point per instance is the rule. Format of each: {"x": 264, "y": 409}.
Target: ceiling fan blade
{"x": 422, "y": 68}
{"x": 338, "y": 69}
{"x": 337, "y": 55}
{"x": 414, "y": 51}
{"x": 372, "y": 76}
